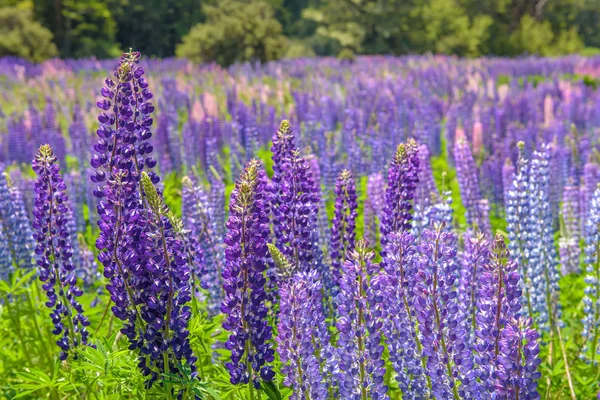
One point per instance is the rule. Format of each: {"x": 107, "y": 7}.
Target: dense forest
{"x": 227, "y": 31}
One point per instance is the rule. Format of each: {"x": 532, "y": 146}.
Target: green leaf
{"x": 271, "y": 390}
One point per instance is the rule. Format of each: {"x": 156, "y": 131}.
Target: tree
{"x": 81, "y": 28}
{"x": 154, "y": 27}
{"x": 235, "y": 31}
{"x": 22, "y": 37}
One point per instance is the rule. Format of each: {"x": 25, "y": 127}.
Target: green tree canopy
{"x": 235, "y": 31}
{"x": 21, "y": 36}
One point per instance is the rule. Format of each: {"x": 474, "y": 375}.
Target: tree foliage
{"x": 235, "y": 31}
{"x": 21, "y": 36}
{"x": 81, "y": 28}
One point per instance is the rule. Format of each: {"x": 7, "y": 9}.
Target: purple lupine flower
{"x": 541, "y": 249}
{"x": 197, "y": 219}
{"x": 294, "y": 205}
{"x": 344, "y": 222}
{"x": 472, "y": 261}
{"x": 162, "y": 284}
{"x": 303, "y": 340}
{"x": 437, "y": 310}
{"x": 400, "y": 322}
{"x": 517, "y": 215}
{"x": 508, "y": 172}
{"x": 403, "y": 175}
{"x": 6, "y": 262}
{"x": 468, "y": 180}
{"x": 591, "y": 300}
{"x": 518, "y": 361}
{"x": 591, "y": 178}
{"x": 359, "y": 304}
{"x": 498, "y": 300}
{"x": 16, "y": 225}
{"x": 568, "y": 245}
{"x": 436, "y": 213}
{"x": 247, "y": 234}
{"x": 54, "y": 254}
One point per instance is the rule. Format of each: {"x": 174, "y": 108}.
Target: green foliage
{"x": 81, "y": 28}
{"x": 21, "y": 36}
{"x": 154, "y": 27}
{"x": 235, "y": 31}
{"x": 452, "y": 31}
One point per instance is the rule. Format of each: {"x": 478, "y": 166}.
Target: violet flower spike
{"x": 359, "y": 304}
{"x": 53, "y": 252}
{"x": 247, "y": 233}
{"x": 344, "y": 222}
{"x": 403, "y": 176}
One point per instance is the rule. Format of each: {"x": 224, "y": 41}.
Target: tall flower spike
{"x": 400, "y": 322}
{"x": 568, "y": 244}
{"x": 541, "y": 256}
{"x": 294, "y": 206}
{"x": 198, "y": 220}
{"x": 403, "y": 175}
{"x": 472, "y": 260}
{"x": 437, "y": 310}
{"x": 302, "y": 350}
{"x": 518, "y": 361}
{"x": 498, "y": 300}
{"x": 343, "y": 230}
{"x": 16, "y": 226}
{"x": 517, "y": 217}
{"x": 165, "y": 291}
{"x": 468, "y": 179}
{"x": 244, "y": 280}
{"x": 54, "y": 254}
{"x": 360, "y": 340}
{"x": 591, "y": 300}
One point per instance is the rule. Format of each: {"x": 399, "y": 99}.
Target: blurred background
{"x": 226, "y": 31}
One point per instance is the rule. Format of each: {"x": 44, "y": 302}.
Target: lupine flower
{"x": 359, "y": 304}
{"x": 294, "y": 205}
{"x": 344, "y": 222}
{"x": 568, "y": 244}
{"x": 163, "y": 289}
{"x": 542, "y": 257}
{"x": 517, "y": 217}
{"x": 400, "y": 322}
{"x": 53, "y": 253}
{"x": 303, "y": 340}
{"x": 436, "y": 307}
{"x": 16, "y": 226}
{"x": 6, "y": 261}
{"x": 498, "y": 301}
{"x": 472, "y": 261}
{"x": 466, "y": 172}
{"x": 436, "y": 213}
{"x": 403, "y": 175}
{"x": 123, "y": 152}
{"x": 518, "y": 361}
{"x": 591, "y": 300}
{"x": 247, "y": 233}
{"x": 198, "y": 221}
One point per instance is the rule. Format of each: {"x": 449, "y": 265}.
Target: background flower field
{"x": 401, "y": 203}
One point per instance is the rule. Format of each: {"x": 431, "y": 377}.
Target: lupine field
{"x": 388, "y": 228}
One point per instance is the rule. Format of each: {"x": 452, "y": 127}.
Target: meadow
{"x": 419, "y": 227}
